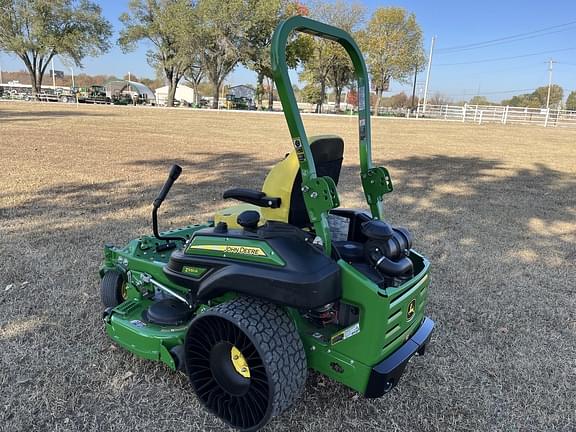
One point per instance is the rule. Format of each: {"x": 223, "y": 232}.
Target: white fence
{"x": 499, "y": 114}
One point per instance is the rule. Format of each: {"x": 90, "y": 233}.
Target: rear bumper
{"x": 386, "y": 374}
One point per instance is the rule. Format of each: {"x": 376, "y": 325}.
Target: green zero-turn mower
{"x": 286, "y": 281}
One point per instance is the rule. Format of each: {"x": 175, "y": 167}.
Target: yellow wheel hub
{"x": 239, "y": 362}
{"x": 124, "y": 291}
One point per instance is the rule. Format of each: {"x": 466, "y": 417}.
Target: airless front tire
{"x": 245, "y": 361}
{"x": 112, "y": 289}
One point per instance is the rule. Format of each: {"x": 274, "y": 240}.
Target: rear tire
{"x": 245, "y": 361}
{"x": 112, "y": 288}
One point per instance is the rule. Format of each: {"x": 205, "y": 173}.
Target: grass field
{"x": 493, "y": 207}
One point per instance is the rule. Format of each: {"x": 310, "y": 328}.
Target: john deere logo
{"x": 411, "y": 310}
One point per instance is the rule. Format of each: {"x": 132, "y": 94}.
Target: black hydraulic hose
{"x": 394, "y": 268}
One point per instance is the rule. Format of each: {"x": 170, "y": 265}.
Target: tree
{"x": 187, "y": 31}
{"x": 221, "y": 38}
{"x": 352, "y": 97}
{"x": 392, "y": 43}
{"x": 439, "y": 99}
{"x": 329, "y": 64}
{"x": 195, "y": 76}
{"x": 537, "y": 99}
{"x": 399, "y": 100}
{"x": 264, "y": 17}
{"x": 479, "y": 100}
{"x": 311, "y": 94}
{"x": 341, "y": 71}
{"x": 38, "y": 30}
{"x": 524, "y": 100}
{"x": 556, "y": 95}
{"x": 157, "y": 21}
{"x": 571, "y": 101}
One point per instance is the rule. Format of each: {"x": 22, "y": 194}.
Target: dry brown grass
{"x": 493, "y": 207}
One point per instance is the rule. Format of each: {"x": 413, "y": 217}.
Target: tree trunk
{"x": 259, "y": 90}
{"x": 322, "y": 96}
{"x": 377, "y": 104}
{"x": 271, "y": 96}
{"x": 337, "y": 98}
{"x": 35, "y": 85}
{"x": 215, "y": 96}
{"x": 172, "y": 92}
{"x": 171, "y": 88}
{"x": 196, "y": 98}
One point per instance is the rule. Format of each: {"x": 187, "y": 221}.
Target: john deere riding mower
{"x": 286, "y": 281}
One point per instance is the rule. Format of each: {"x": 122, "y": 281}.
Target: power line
{"x": 512, "y": 38}
{"x": 506, "y": 42}
{"x": 506, "y": 58}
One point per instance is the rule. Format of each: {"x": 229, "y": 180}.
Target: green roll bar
{"x": 320, "y": 195}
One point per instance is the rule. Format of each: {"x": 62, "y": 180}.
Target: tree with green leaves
{"x": 195, "y": 76}
{"x": 556, "y": 95}
{"x": 329, "y": 65}
{"x": 222, "y": 39}
{"x": 37, "y": 30}
{"x": 480, "y": 100}
{"x": 311, "y": 94}
{"x": 571, "y": 101}
{"x": 537, "y": 99}
{"x": 346, "y": 16}
{"x": 392, "y": 43}
{"x": 157, "y": 21}
{"x": 187, "y": 30}
{"x": 264, "y": 17}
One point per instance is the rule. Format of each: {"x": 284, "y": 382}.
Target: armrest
{"x": 251, "y": 196}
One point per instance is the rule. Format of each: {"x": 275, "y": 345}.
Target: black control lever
{"x": 175, "y": 172}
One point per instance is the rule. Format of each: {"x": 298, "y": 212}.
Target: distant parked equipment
{"x": 125, "y": 92}
{"x": 240, "y": 97}
{"x": 16, "y": 91}
{"x": 94, "y": 94}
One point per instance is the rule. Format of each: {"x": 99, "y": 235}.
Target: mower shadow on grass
{"x": 502, "y": 295}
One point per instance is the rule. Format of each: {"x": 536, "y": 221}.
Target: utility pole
{"x": 550, "y": 63}
{"x": 414, "y": 88}
{"x": 72, "y": 71}
{"x": 428, "y": 74}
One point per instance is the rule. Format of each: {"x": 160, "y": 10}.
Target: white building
{"x": 184, "y": 94}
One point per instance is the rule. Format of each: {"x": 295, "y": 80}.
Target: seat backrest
{"x": 285, "y": 180}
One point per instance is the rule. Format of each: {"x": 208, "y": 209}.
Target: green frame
{"x": 320, "y": 194}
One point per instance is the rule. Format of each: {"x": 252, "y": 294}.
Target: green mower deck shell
{"x": 149, "y": 341}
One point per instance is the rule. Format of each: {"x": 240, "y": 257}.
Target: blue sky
{"x": 454, "y": 23}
